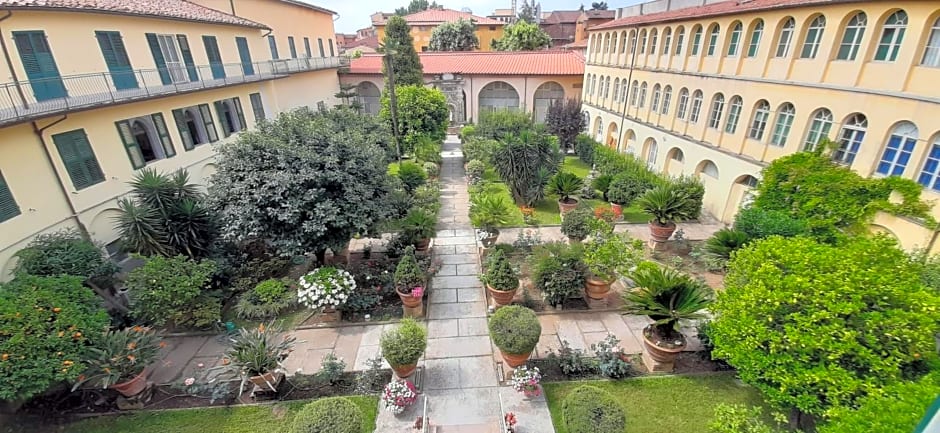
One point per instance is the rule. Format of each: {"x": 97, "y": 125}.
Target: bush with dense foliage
{"x": 565, "y": 120}
{"x": 422, "y": 112}
{"x": 399, "y": 45}
{"x": 45, "y": 326}
{"x": 736, "y": 418}
{"x": 584, "y": 147}
{"x": 428, "y": 149}
{"x": 897, "y": 408}
{"x": 266, "y": 300}
{"x": 490, "y": 211}
{"x": 63, "y": 253}
{"x": 758, "y": 223}
{"x": 499, "y": 273}
{"x": 515, "y": 329}
{"x": 498, "y": 124}
{"x": 602, "y": 184}
{"x": 408, "y": 273}
{"x": 609, "y": 161}
{"x": 522, "y": 36}
{"x": 577, "y": 223}
{"x": 412, "y": 176}
{"x": 172, "y": 291}
{"x": 694, "y": 190}
{"x": 303, "y": 182}
{"x": 526, "y": 162}
{"x": 589, "y": 409}
{"x": 629, "y": 185}
{"x": 816, "y": 327}
{"x": 479, "y": 149}
{"x": 475, "y": 171}
{"x": 724, "y": 242}
{"x": 328, "y": 415}
{"x": 457, "y": 35}
{"x": 557, "y": 271}
{"x": 404, "y": 344}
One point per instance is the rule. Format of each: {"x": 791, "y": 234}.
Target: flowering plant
{"x": 483, "y": 235}
{"x": 398, "y": 395}
{"x": 120, "y": 356}
{"x": 509, "y": 422}
{"x": 325, "y": 287}
{"x": 526, "y": 380}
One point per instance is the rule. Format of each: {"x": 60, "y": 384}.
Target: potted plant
{"x": 327, "y": 288}
{"x": 120, "y": 359}
{"x": 526, "y": 380}
{"x": 558, "y": 272}
{"x": 256, "y": 355}
{"x": 577, "y": 224}
{"x": 515, "y": 330}
{"x": 409, "y": 279}
{"x": 419, "y": 228}
{"x": 564, "y": 185}
{"x": 398, "y": 395}
{"x": 487, "y": 212}
{"x": 666, "y": 296}
{"x": 608, "y": 255}
{"x": 500, "y": 277}
{"x": 668, "y": 205}
{"x": 403, "y": 346}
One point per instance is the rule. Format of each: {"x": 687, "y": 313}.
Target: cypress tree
{"x": 404, "y": 58}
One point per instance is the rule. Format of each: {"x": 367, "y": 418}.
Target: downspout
{"x": 231, "y": 4}
{"x": 626, "y": 102}
{"x": 61, "y": 183}
{"x": 6, "y": 56}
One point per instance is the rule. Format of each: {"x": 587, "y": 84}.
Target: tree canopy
{"x": 421, "y": 111}
{"x": 416, "y": 6}
{"x": 457, "y": 35}
{"x": 399, "y": 46}
{"x": 522, "y": 36}
{"x": 566, "y": 121}
{"x": 599, "y": 6}
{"x": 528, "y": 11}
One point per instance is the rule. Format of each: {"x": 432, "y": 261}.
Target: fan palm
{"x": 666, "y": 203}
{"x": 666, "y": 296}
{"x": 565, "y": 185}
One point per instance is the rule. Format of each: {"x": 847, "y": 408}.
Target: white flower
{"x": 189, "y": 381}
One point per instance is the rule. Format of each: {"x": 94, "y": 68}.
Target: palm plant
{"x": 488, "y": 211}
{"x": 526, "y": 163}
{"x": 418, "y": 225}
{"x": 724, "y": 242}
{"x": 667, "y": 296}
{"x": 564, "y": 185}
{"x": 666, "y": 203}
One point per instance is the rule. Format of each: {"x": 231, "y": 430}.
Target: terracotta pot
{"x": 661, "y": 233}
{"x": 132, "y": 387}
{"x": 263, "y": 381}
{"x": 663, "y": 355}
{"x": 573, "y": 240}
{"x": 596, "y": 288}
{"x": 404, "y": 371}
{"x": 490, "y": 240}
{"x": 502, "y": 297}
{"x": 515, "y": 360}
{"x": 408, "y": 300}
{"x": 617, "y": 210}
{"x": 422, "y": 244}
{"x": 568, "y": 206}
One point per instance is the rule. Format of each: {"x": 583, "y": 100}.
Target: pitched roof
{"x": 371, "y": 42}
{"x": 711, "y": 10}
{"x": 167, "y": 9}
{"x": 437, "y": 16}
{"x": 309, "y": 6}
{"x": 486, "y": 63}
{"x": 562, "y": 17}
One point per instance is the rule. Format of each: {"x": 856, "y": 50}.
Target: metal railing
{"x": 32, "y": 99}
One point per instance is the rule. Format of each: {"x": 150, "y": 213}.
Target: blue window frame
{"x": 898, "y": 150}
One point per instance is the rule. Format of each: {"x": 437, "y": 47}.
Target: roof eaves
{"x": 310, "y": 6}
{"x": 246, "y": 22}
{"x": 781, "y": 6}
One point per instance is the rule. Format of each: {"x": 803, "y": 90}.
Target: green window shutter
{"x": 207, "y": 120}
{"x": 8, "y": 206}
{"x": 257, "y": 108}
{"x": 160, "y": 123}
{"x": 130, "y": 144}
{"x": 158, "y": 58}
{"x": 241, "y": 113}
{"x": 183, "y": 128}
{"x": 215, "y": 58}
{"x": 187, "y": 54}
{"x": 79, "y": 158}
{"x": 220, "y": 111}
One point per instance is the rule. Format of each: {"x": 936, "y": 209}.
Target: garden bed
{"x": 528, "y": 295}
{"x": 688, "y": 257}
{"x": 686, "y": 363}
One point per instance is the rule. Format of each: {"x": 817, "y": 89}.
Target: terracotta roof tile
{"x": 710, "y": 10}
{"x": 169, "y": 9}
{"x": 562, "y": 17}
{"x": 371, "y": 42}
{"x": 486, "y": 63}
{"x": 437, "y": 16}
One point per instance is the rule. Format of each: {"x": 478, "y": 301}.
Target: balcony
{"x": 33, "y": 99}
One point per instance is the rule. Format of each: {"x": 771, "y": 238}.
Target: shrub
{"x": 427, "y": 197}
{"x": 694, "y": 190}
{"x": 499, "y": 124}
{"x": 572, "y": 362}
{"x": 467, "y": 132}
{"x": 895, "y": 409}
{"x": 422, "y": 114}
{"x": 430, "y": 168}
{"x": 610, "y": 358}
{"x": 724, "y": 242}
{"x": 564, "y": 185}
{"x": 515, "y": 329}
{"x": 45, "y": 325}
{"x": 735, "y": 418}
{"x": 526, "y": 162}
{"x": 404, "y": 344}
{"x": 602, "y": 184}
{"x": 577, "y": 223}
{"x": 171, "y": 291}
{"x": 479, "y": 148}
{"x": 428, "y": 150}
{"x": 411, "y": 175}
{"x": 565, "y": 120}
{"x": 666, "y": 204}
{"x": 759, "y": 223}
{"x": 588, "y": 409}
{"x": 584, "y": 147}
{"x": 610, "y": 161}
{"x": 266, "y": 300}
{"x": 609, "y": 255}
{"x": 489, "y": 211}
{"x": 418, "y": 225}
{"x": 475, "y": 171}
{"x": 500, "y": 274}
{"x": 328, "y": 415}
{"x": 63, "y": 253}
{"x": 628, "y": 186}
{"x": 408, "y": 274}
{"x": 557, "y": 271}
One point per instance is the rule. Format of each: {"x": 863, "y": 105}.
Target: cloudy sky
{"x": 354, "y": 14}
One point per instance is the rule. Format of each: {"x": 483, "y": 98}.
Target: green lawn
{"x": 239, "y": 419}
{"x": 662, "y": 405}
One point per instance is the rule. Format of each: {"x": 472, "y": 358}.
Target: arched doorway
{"x": 675, "y": 162}
{"x": 498, "y": 95}
{"x": 369, "y": 97}
{"x": 628, "y": 145}
{"x": 740, "y": 195}
{"x": 612, "y": 136}
{"x": 546, "y": 95}
{"x": 650, "y": 152}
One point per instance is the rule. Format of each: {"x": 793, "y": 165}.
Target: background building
{"x": 589, "y": 19}
{"x": 422, "y": 23}
{"x": 507, "y": 16}
{"x": 97, "y": 90}
{"x": 561, "y": 26}
{"x": 721, "y": 90}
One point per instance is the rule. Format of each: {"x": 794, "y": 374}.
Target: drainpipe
{"x": 6, "y": 56}
{"x": 231, "y": 4}
{"x": 626, "y": 102}
{"x": 61, "y": 183}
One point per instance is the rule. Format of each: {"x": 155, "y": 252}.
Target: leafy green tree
{"x": 895, "y": 409}
{"x": 63, "y": 253}
{"x": 816, "y": 327}
{"x": 421, "y": 111}
{"x": 522, "y": 36}
{"x": 415, "y": 6}
{"x": 565, "y": 121}
{"x": 526, "y": 162}
{"x": 349, "y": 95}
{"x": 527, "y": 12}
{"x": 499, "y": 124}
{"x": 457, "y": 35}
{"x": 172, "y": 290}
{"x": 598, "y": 6}
{"x": 304, "y": 182}
{"x": 399, "y": 47}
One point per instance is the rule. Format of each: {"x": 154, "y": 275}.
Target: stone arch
{"x": 498, "y": 95}
{"x": 882, "y": 230}
{"x": 650, "y": 152}
{"x": 369, "y": 96}
{"x": 708, "y": 168}
{"x": 628, "y": 144}
{"x": 206, "y": 173}
{"x": 103, "y": 225}
{"x": 674, "y": 162}
{"x": 612, "y": 136}
{"x": 740, "y": 195}
{"x": 546, "y": 95}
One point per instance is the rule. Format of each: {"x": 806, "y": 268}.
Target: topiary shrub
{"x": 577, "y": 223}
{"x": 431, "y": 169}
{"x": 412, "y": 175}
{"x": 628, "y": 186}
{"x": 557, "y": 271}
{"x": 515, "y": 329}
{"x": 500, "y": 274}
{"x": 589, "y": 409}
{"x": 63, "y": 253}
{"x": 328, "y": 415}
{"x": 404, "y": 344}
{"x": 475, "y": 170}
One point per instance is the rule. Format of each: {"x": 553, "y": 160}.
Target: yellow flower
{"x": 4, "y": 357}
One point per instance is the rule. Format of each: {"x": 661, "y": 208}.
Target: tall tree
{"x": 457, "y": 35}
{"x": 414, "y": 6}
{"x": 598, "y": 6}
{"x": 349, "y": 94}
{"x": 400, "y": 47}
{"x": 522, "y": 36}
{"x": 422, "y": 111}
{"x": 527, "y": 12}
{"x": 565, "y": 120}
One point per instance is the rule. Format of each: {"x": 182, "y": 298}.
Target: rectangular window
{"x": 307, "y": 47}
{"x": 896, "y": 156}
{"x": 932, "y": 51}
{"x": 293, "y": 48}
{"x": 187, "y": 55}
{"x": 215, "y": 58}
{"x": 817, "y": 130}
{"x": 851, "y": 42}
{"x": 244, "y": 55}
{"x": 929, "y": 175}
{"x": 320, "y": 43}
{"x": 145, "y": 139}
{"x": 332, "y": 53}
{"x": 8, "y": 206}
{"x": 230, "y": 115}
{"x": 256, "y": 106}
{"x": 734, "y": 113}
{"x": 759, "y": 124}
{"x": 78, "y": 158}
{"x": 166, "y": 55}
{"x": 272, "y": 43}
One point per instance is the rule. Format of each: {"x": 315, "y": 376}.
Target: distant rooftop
{"x": 167, "y": 9}
{"x": 711, "y": 10}
{"x": 555, "y": 62}
{"x": 435, "y": 17}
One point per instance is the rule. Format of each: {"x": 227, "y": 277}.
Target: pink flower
{"x": 417, "y": 292}
{"x": 189, "y": 381}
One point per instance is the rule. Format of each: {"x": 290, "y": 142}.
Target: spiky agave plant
{"x": 667, "y": 296}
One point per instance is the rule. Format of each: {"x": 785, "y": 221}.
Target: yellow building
{"x": 422, "y": 23}
{"x": 721, "y": 90}
{"x": 96, "y": 90}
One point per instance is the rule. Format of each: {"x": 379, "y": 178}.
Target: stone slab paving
{"x": 693, "y": 231}
{"x": 532, "y": 414}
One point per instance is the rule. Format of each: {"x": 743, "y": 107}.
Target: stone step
{"x": 493, "y": 427}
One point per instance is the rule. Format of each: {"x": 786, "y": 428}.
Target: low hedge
{"x": 589, "y": 409}
{"x": 328, "y": 415}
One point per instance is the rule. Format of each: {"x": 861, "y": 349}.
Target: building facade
{"x": 423, "y": 23}
{"x": 721, "y": 90}
{"x": 561, "y": 26}
{"x": 92, "y": 95}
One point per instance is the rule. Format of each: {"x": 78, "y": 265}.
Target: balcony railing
{"x": 32, "y": 99}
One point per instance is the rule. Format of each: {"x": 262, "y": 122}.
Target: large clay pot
{"x": 422, "y": 244}
{"x": 132, "y": 387}
{"x": 404, "y": 371}
{"x": 617, "y": 210}
{"x": 515, "y": 360}
{"x": 502, "y": 297}
{"x": 596, "y": 288}
{"x": 491, "y": 239}
{"x": 661, "y": 233}
{"x": 660, "y": 354}
{"x": 265, "y": 381}
{"x": 408, "y": 300}
{"x": 567, "y": 206}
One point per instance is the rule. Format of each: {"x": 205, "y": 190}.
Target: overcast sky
{"x": 354, "y": 14}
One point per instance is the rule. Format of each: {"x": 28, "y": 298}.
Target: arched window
{"x": 606, "y": 43}
{"x": 651, "y": 152}
{"x": 634, "y": 90}
{"x": 813, "y": 37}
{"x": 613, "y": 47}
{"x": 643, "y": 41}
{"x": 696, "y": 106}
{"x": 676, "y": 154}
{"x": 713, "y": 39}
{"x": 786, "y": 36}
{"x": 667, "y": 98}
{"x": 785, "y": 115}
{"x": 623, "y": 42}
{"x": 898, "y": 150}
{"x": 683, "y": 103}
{"x": 369, "y": 97}
{"x": 680, "y": 39}
{"x": 759, "y": 123}
{"x": 616, "y": 90}
{"x": 142, "y": 131}
{"x": 498, "y": 95}
{"x": 735, "y": 40}
{"x": 657, "y": 95}
{"x": 667, "y": 40}
{"x": 708, "y": 168}
{"x": 850, "y": 138}
{"x": 599, "y": 129}
{"x": 696, "y": 39}
{"x": 852, "y": 37}
{"x": 643, "y": 94}
{"x": 819, "y": 128}
{"x": 623, "y": 92}
{"x": 718, "y": 107}
{"x": 754, "y": 44}
{"x": 606, "y": 87}
{"x": 892, "y": 35}
{"x": 546, "y": 95}
{"x": 734, "y": 114}
{"x": 930, "y": 174}
{"x": 632, "y": 41}
{"x": 654, "y": 38}
{"x": 932, "y": 51}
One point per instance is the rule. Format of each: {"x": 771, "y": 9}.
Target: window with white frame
{"x": 930, "y": 174}
{"x": 599, "y": 136}
{"x": 654, "y": 38}
{"x": 786, "y": 36}
{"x": 642, "y": 94}
{"x": 785, "y": 115}
{"x": 680, "y": 39}
{"x": 932, "y": 50}
{"x": 735, "y": 40}
{"x": 607, "y": 88}
{"x": 709, "y": 169}
{"x": 696, "y": 106}
{"x": 696, "y": 39}
{"x": 892, "y": 35}
{"x": 616, "y": 90}
{"x": 623, "y": 42}
{"x": 667, "y": 98}
{"x": 632, "y": 41}
{"x": 683, "y": 103}
{"x": 634, "y": 90}
{"x": 850, "y": 139}
{"x": 713, "y": 40}
{"x": 657, "y": 94}
{"x": 814, "y": 36}
{"x": 898, "y": 150}
{"x": 852, "y": 37}
{"x": 759, "y": 123}
{"x": 734, "y": 113}
{"x": 754, "y": 44}
{"x": 643, "y": 41}
{"x": 718, "y": 107}
{"x": 819, "y": 128}
{"x": 623, "y": 92}
{"x": 667, "y": 40}
{"x": 651, "y": 153}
